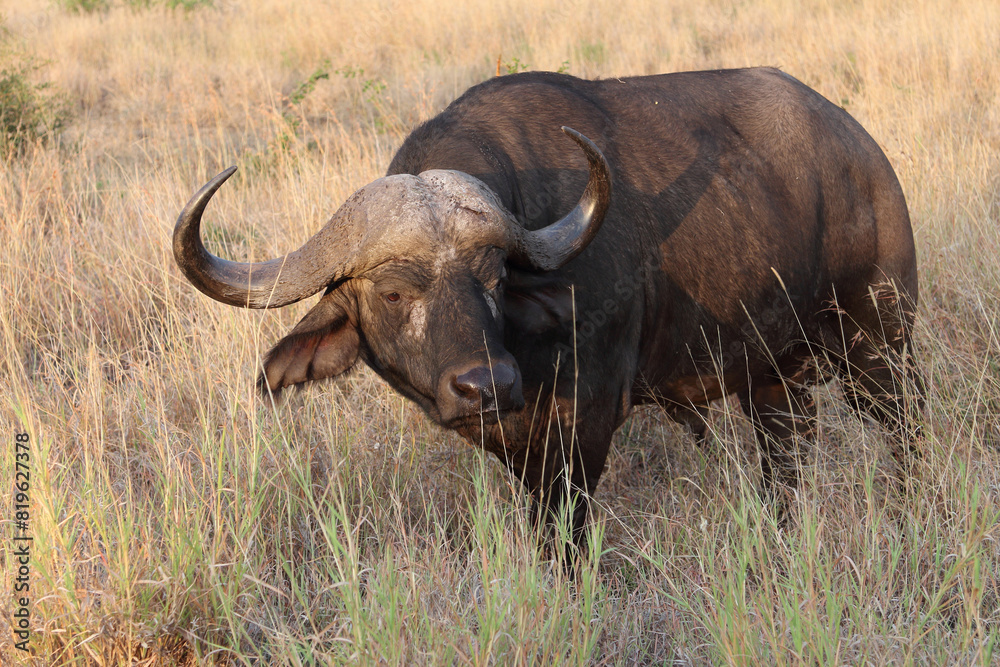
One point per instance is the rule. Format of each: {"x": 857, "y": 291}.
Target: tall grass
{"x": 178, "y": 519}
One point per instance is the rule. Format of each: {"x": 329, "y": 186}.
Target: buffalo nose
{"x": 483, "y": 389}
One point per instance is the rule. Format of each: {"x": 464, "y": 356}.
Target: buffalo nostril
{"x": 474, "y": 383}
{"x": 485, "y": 387}
{"x": 468, "y": 384}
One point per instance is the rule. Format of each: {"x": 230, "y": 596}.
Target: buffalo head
{"x": 413, "y": 270}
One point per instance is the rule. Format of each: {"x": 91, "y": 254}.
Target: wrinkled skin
{"x": 753, "y": 226}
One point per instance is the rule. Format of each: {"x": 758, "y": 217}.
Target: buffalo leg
{"x": 877, "y": 369}
{"x": 561, "y": 477}
{"x": 694, "y": 416}
{"x": 781, "y": 412}
{"x": 879, "y": 381}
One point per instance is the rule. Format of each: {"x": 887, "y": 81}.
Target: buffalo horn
{"x": 270, "y": 284}
{"x": 549, "y": 248}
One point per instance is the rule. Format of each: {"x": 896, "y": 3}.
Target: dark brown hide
{"x": 754, "y": 227}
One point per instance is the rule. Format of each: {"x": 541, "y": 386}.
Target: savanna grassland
{"x": 177, "y": 518}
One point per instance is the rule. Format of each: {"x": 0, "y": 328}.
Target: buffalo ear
{"x": 536, "y": 303}
{"x": 323, "y": 344}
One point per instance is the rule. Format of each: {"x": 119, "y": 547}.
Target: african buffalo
{"x": 722, "y": 232}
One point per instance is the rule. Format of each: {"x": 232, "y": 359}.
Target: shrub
{"x": 29, "y": 112}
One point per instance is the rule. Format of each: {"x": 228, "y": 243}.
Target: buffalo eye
{"x": 494, "y": 282}
{"x": 392, "y": 297}
{"x": 501, "y": 279}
